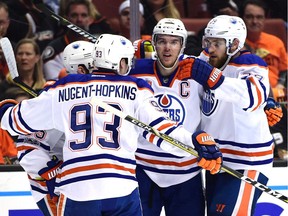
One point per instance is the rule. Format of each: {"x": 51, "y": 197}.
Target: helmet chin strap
{"x": 228, "y": 58}
{"x": 226, "y": 62}
{"x": 168, "y": 68}
{"x": 175, "y": 63}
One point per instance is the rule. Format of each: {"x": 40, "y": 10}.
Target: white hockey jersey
{"x": 98, "y": 151}
{"x": 34, "y": 151}
{"x": 180, "y": 99}
{"x": 233, "y": 113}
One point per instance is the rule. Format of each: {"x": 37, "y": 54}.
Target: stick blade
{"x": 9, "y": 56}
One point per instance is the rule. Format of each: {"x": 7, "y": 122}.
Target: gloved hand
{"x": 273, "y": 112}
{"x": 5, "y": 104}
{"x": 49, "y": 174}
{"x": 141, "y": 47}
{"x": 202, "y": 72}
{"x": 210, "y": 157}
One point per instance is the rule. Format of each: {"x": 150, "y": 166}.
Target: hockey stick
{"x": 187, "y": 148}
{"x": 66, "y": 23}
{"x": 11, "y": 62}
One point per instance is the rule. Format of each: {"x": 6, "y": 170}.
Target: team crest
{"x": 209, "y": 103}
{"x": 172, "y": 106}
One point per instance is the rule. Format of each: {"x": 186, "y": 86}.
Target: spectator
{"x": 28, "y": 21}
{"x": 4, "y": 19}
{"x": 4, "y": 24}
{"x": 267, "y": 46}
{"x": 156, "y": 10}
{"x": 81, "y": 13}
{"x": 97, "y": 23}
{"x": 29, "y": 65}
{"x": 124, "y": 18}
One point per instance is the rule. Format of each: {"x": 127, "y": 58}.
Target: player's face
{"x": 79, "y": 15}
{"x": 254, "y": 17}
{"x": 4, "y": 22}
{"x": 217, "y": 51}
{"x": 168, "y": 48}
{"x": 26, "y": 58}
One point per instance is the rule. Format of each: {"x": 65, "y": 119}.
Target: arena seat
{"x": 108, "y": 8}
{"x": 277, "y": 27}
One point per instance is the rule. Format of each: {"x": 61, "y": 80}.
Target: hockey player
{"x": 98, "y": 170}
{"x": 233, "y": 112}
{"x": 164, "y": 179}
{"x": 40, "y": 153}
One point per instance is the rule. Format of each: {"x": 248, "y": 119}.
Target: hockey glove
{"x": 5, "y": 104}
{"x": 141, "y": 47}
{"x": 210, "y": 157}
{"x": 49, "y": 174}
{"x": 273, "y": 112}
{"x": 202, "y": 72}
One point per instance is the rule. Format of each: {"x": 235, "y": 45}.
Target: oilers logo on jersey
{"x": 172, "y": 106}
{"x": 209, "y": 103}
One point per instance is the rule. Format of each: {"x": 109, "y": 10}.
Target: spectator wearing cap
{"x": 124, "y": 19}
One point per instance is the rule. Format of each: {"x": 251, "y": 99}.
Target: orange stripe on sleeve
{"x": 17, "y": 126}
{"x": 162, "y": 127}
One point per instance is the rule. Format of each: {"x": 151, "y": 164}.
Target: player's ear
{"x": 234, "y": 45}
{"x": 123, "y": 66}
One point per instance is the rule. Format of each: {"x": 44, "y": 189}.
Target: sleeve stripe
{"x": 29, "y": 130}
{"x": 264, "y": 90}
{"x": 168, "y": 132}
{"x": 17, "y": 125}
{"x": 250, "y": 95}
{"x": 258, "y": 93}
{"x": 152, "y": 124}
{"x": 162, "y": 127}
{"x": 11, "y": 122}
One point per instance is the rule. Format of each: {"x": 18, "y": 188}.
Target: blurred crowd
{"x": 39, "y": 40}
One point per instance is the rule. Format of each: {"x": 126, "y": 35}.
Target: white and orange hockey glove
{"x": 49, "y": 174}
{"x": 273, "y": 112}
{"x": 210, "y": 157}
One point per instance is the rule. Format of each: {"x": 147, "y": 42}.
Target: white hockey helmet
{"x": 110, "y": 49}
{"x": 228, "y": 28}
{"x": 78, "y": 53}
{"x": 170, "y": 26}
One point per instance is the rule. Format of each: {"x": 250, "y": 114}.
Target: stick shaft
{"x": 188, "y": 149}
{"x": 66, "y": 23}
